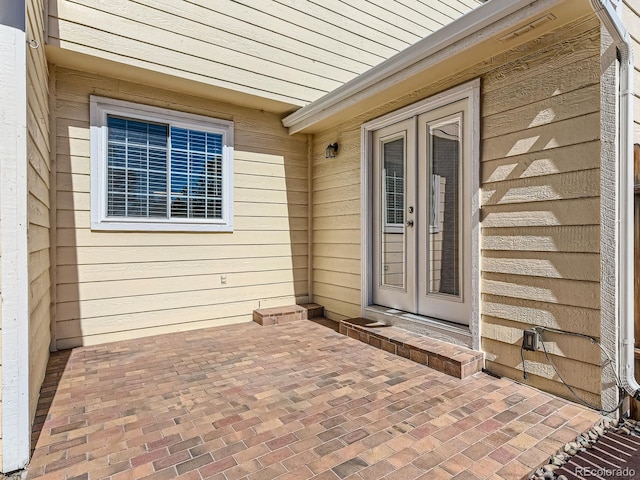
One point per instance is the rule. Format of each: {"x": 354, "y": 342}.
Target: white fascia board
{"x": 368, "y": 83}
{"x": 16, "y": 424}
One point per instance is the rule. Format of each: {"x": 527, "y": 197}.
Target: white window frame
{"x": 101, "y": 108}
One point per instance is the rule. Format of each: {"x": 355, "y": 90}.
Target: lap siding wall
{"x": 118, "y": 285}
{"x": 38, "y": 152}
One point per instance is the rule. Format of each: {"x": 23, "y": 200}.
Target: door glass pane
{"x": 393, "y": 233}
{"x": 444, "y": 209}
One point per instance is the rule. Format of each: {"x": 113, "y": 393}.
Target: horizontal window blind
{"x": 394, "y": 181}
{"x": 196, "y": 174}
{"x": 145, "y": 160}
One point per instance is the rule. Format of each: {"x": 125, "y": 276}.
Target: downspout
{"x": 612, "y": 22}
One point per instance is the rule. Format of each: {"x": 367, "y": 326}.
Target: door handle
{"x": 409, "y": 223}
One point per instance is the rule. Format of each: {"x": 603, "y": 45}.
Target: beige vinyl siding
{"x": 540, "y": 212}
{"x": 117, "y": 285}
{"x": 540, "y": 233}
{"x": 38, "y": 202}
{"x": 336, "y": 223}
{"x": 631, "y": 18}
{"x": 540, "y": 157}
{"x": 292, "y": 52}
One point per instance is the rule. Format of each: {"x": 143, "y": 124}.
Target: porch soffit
{"x": 472, "y": 39}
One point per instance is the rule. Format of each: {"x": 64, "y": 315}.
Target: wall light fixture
{"x": 331, "y": 151}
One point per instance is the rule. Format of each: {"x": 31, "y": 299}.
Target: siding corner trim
{"x": 14, "y": 286}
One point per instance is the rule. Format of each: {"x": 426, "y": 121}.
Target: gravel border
{"x": 583, "y": 442}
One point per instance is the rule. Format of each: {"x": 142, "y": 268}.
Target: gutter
{"x": 356, "y": 90}
{"x": 625, "y": 278}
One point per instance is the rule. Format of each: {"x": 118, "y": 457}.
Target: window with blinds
{"x": 160, "y": 169}
{"x": 393, "y": 171}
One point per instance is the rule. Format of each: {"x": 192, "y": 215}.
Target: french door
{"x": 422, "y": 214}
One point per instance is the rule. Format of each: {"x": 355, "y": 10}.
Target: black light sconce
{"x": 331, "y": 151}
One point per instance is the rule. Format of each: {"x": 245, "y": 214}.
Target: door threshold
{"x": 427, "y": 326}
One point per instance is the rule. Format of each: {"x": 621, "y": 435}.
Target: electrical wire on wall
{"x": 540, "y": 331}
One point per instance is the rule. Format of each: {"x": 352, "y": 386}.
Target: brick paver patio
{"x": 292, "y": 401}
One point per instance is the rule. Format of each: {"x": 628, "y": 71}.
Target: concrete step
{"x": 454, "y": 360}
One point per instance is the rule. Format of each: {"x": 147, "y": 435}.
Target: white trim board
{"x": 16, "y": 425}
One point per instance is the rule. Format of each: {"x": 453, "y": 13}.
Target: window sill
{"x": 120, "y": 226}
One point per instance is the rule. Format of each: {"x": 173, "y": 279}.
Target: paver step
{"x": 314, "y": 310}
{"x": 454, "y": 360}
{"x": 327, "y": 322}
{"x": 289, "y": 313}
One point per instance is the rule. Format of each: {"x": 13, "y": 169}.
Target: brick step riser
{"x": 375, "y": 337}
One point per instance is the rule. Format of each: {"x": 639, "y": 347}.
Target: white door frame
{"x": 471, "y": 92}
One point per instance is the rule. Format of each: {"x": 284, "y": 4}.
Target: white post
{"x": 14, "y": 281}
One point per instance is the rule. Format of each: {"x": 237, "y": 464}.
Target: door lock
{"x": 410, "y": 209}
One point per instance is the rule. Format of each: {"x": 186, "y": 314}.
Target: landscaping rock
{"x": 583, "y": 442}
